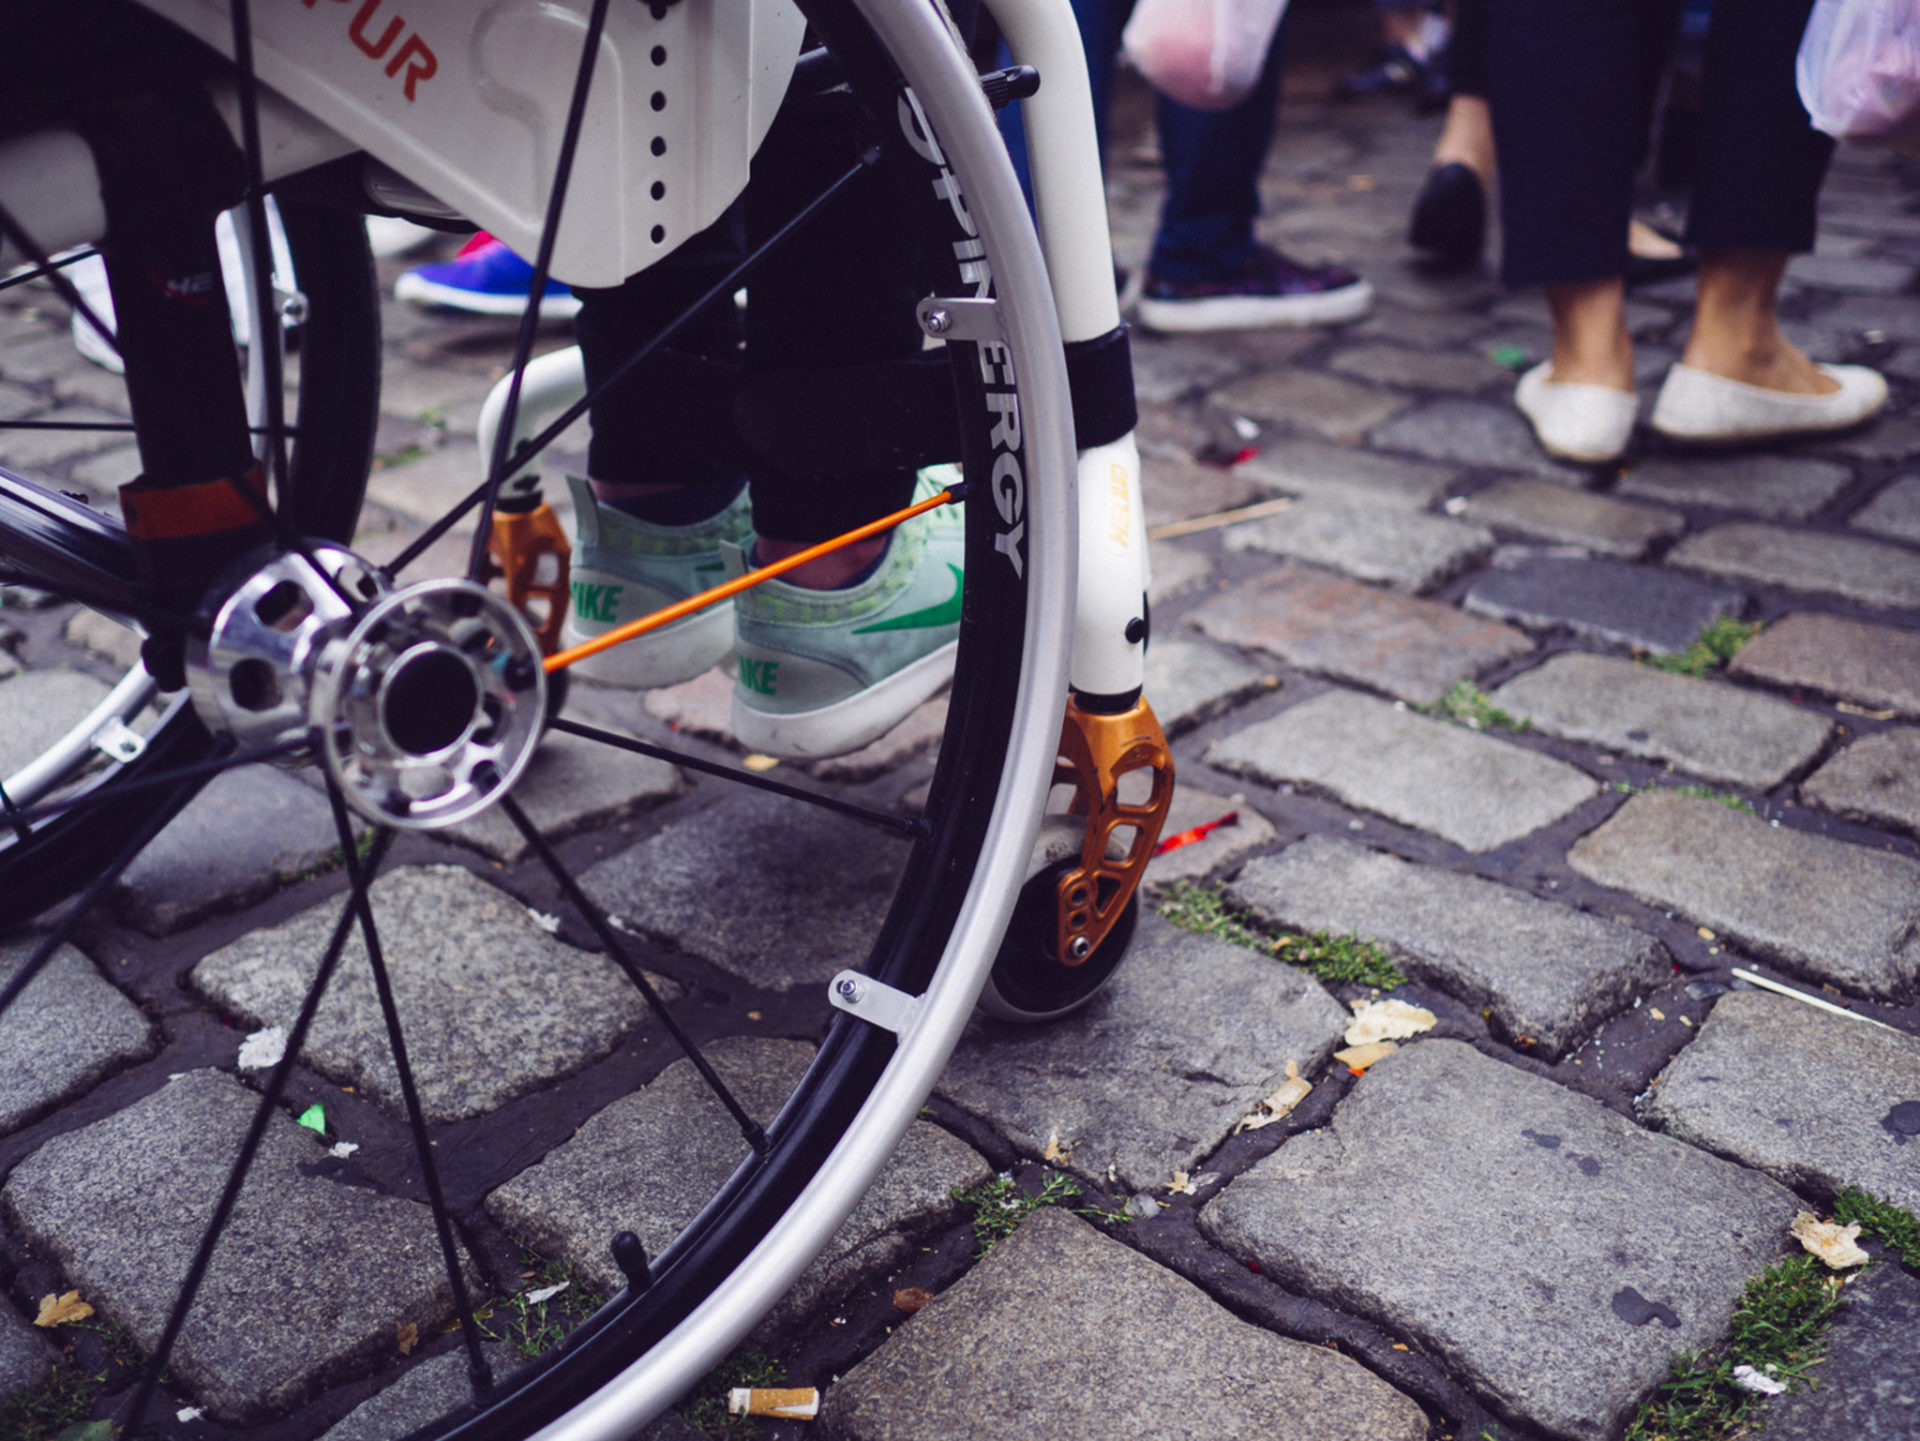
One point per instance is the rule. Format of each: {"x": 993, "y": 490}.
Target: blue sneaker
{"x": 484, "y": 279}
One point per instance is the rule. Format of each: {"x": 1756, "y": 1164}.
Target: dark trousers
{"x": 1211, "y": 159}
{"x": 1565, "y": 79}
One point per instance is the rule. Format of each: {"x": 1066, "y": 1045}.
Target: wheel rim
{"x": 861, "y": 1091}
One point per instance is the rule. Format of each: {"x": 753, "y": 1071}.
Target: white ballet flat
{"x": 1707, "y": 409}
{"x": 1589, "y": 424}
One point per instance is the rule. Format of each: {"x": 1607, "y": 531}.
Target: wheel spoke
{"x": 249, "y": 1147}
{"x": 596, "y": 918}
{"x": 478, "y": 1372}
{"x": 23, "y": 819}
{"x": 901, "y": 825}
{"x": 497, "y": 472}
{"x": 36, "y": 272}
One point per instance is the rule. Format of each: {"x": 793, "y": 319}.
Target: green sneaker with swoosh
{"x": 625, "y": 568}
{"x": 824, "y": 672}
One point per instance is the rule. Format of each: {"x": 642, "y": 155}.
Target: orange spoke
{"x": 669, "y": 614}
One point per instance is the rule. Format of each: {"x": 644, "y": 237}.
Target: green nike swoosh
{"x": 947, "y": 612}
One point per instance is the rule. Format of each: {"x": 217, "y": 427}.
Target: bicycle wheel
{"x": 906, "y": 990}
{"x": 121, "y": 731}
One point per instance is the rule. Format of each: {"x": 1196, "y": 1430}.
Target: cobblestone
{"x": 1554, "y": 1254}
{"x": 1139, "y": 1086}
{"x": 1544, "y": 971}
{"x": 1779, "y": 487}
{"x": 1894, "y": 512}
{"x": 1310, "y": 467}
{"x": 1463, "y": 374}
{"x": 249, "y": 832}
{"x": 69, "y": 1030}
{"x": 498, "y": 1007}
{"x": 1869, "y": 1386}
{"x": 1190, "y": 683}
{"x": 1812, "y": 1099}
{"x": 1467, "y": 788}
{"x": 121, "y": 1204}
{"x": 1249, "y": 832}
{"x": 1836, "y": 912}
{"x": 1321, "y": 404}
{"x": 25, "y": 1355}
{"x": 1368, "y": 542}
{"x": 1710, "y": 730}
{"x": 1471, "y": 432}
{"x": 1852, "y": 660}
{"x": 1606, "y": 600}
{"x": 1413, "y": 649}
{"x": 1860, "y": 570}
{"x": 1033, "y": 1329}
{"x": 1875, "y": 780}
{"x": 776, "y": 926}
{"x": 1595, "y": 523}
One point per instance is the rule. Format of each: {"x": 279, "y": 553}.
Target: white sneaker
{"x": 625, "y": 568}
{"x": 1587, "y": 424}
{"x": 1708, "y": 409}
{"x": 825, "y": 672}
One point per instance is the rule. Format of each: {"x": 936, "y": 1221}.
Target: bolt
{"x": 849, "y": 989}
{"x": 1079, "y": 948}
{"x": 938, "y": 321}
{"x": 519, "y": 674}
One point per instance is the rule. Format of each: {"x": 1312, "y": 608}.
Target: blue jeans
{"x": 1212, "y": 158}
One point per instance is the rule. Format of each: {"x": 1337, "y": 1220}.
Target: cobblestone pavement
{"x": 1424, "y": 686}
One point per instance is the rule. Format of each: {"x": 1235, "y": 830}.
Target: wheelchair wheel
{"x": 909, "y": 985}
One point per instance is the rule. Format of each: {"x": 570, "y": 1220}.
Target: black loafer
{"x": 1450, "y": 216}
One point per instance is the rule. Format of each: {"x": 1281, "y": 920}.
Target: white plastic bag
{"x": 1859, "y": 70}
{"x": 1203, "y": 53}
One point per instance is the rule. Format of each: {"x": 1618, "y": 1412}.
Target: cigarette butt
{"x": 795, "y": 1403}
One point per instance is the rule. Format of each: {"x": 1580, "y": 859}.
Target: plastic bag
{"x": 1859, "y": 70}
{"x": 1203, "y": 53}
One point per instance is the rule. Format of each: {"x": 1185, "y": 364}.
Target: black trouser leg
{"x": 1761, "y": 160}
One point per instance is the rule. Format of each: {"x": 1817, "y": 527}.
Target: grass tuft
{"x": 705, "y": 1410}
{"x": 1000, "y": 1204}
{"x": 1466, "y": 705}
{"x": 1898, "y": 1229}
{"x": 1779, "y": 1328}
{"x": 1711, "y": 649}
{"x": 1332, "y": 958}
{"x": 533, "y": 1327}
{"x": 1706, "y": 793}
{"x": 40, "y": 1413}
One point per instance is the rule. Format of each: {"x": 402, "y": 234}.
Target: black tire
{"x": 1030, "y": 982}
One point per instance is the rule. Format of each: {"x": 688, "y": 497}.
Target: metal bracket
{"x": 873, "y": 1001}
{"x": 960, "y": 319}
{"x": 118, "y": 741}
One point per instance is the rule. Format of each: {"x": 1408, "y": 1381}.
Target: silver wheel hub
{"x": 424, "y": 708}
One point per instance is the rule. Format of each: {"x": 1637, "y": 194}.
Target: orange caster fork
{"x": 1098, "y": 755}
